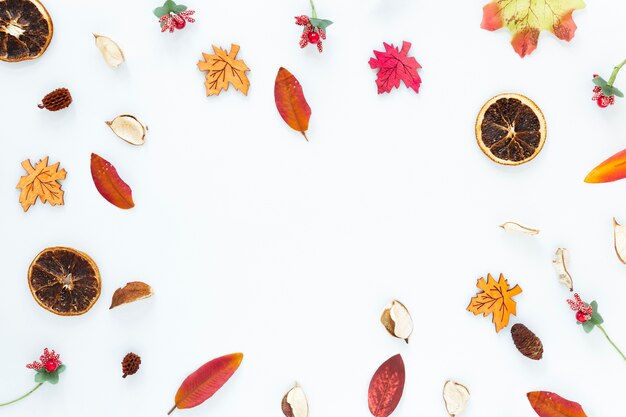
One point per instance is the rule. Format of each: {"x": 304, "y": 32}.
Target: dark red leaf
{"x": 386, "y": 387}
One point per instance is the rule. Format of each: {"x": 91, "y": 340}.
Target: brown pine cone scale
{"x": 130, "y": 364}
{"x": 56, "y": 100}
{"x": 527, "y": 342}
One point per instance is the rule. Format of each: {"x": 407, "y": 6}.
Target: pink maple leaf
{"x": 394, "y": 65}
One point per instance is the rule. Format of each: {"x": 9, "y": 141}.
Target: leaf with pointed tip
{"x": 386, "y": 386}
{"x": 206, "y": 381}
{"x": 549, "y": 404}
{"x": 290, "y": 102}
{"x": 612, "y": 169}
{"x": 320, "y": 23}
{"x": 109, "y": 184}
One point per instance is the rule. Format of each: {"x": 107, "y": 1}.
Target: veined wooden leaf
{"x": 206, "y": 381}
{"x": 290, "y": 102}
{"x": 549, "y": 404}
{"x": 109, "y": 184}
{"x": 496, "y": 298}
{"x": 386, "y": 386}
{"x": 619, "y": 241}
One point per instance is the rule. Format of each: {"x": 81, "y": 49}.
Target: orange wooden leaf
{"x": 386, "y": 387}
{"x": 495, "y": 298}
{"x": 109, "y": 184}
{"x": 549, "y": 404}
{"x": 290, "y": 102}
{"x": 612, "y": 169}
{"x": 223, "y": 68}
{"x": 41, "y": 182}
{"x": 203, "y": 383}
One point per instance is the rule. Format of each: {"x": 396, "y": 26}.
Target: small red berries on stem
{"x": 314, "y": 30}
{"x": 173, "y": 16}
{"x": 604, "y": 92}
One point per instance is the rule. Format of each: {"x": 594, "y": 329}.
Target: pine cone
{"x": 526, "y": 342}
{"x": 130, "y": 364}
{"x": 56, "y": 100}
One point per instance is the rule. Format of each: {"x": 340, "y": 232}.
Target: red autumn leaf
{"x": 612, "y": 169}
{"x": 549, "y": 404}
{"x": 290, "y": 102}
{"x": 395, "y": 66}
{"x": 386, "y": 387}
{"x": 109, "y": 184}
{"x": 206, "y": 381}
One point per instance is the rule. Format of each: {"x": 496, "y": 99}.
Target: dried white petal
{"x": 561, "y": 257}
{"x": 110, "y": 51}
{"x": 397, "y": 320}
{"x": 455, "y": 397}
{"x": 513, "y": 227}
{"x": 619, "y": 240}
{"x": 294, "y": 403}
{"x": 129, "y": 128}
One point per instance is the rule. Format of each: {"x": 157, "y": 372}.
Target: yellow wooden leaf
{"x": 223, "y": 69}
{"x": 495, "y": 298}
{"x": 41, "y": 181}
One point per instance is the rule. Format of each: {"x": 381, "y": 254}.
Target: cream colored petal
{"x": 619, "y": 240}
{"x": 397, "y": 320}
{"x": 110, "y": 51}
{"x": 455, "y": 396}
{"x": 561, "y": 257}
{"x": 128, "y": 128}
{"x": 513, "y": 227}
{"x": 295, "y": 403}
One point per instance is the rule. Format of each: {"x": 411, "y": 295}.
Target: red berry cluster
{"x": 48, "y": 361}
{"x": 583, "y": 312}
{"x": 599, "y": 97}
{"x": 310, "y": 34}
{"x": 178, "y": 21}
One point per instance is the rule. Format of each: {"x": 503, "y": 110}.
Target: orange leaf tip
{"x": 610, "y": 170}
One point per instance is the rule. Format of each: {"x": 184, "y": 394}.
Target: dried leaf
{"x": 610, "y": 170}
{"x": 455, "y": 397}
{"x": 294, "y": 403}
{"x": 495, "y": 298}
{"x": 386, "y": 386}
{"x": 41, "y": 181}
{"x": 525, "y": 19}
{"x": 223, "y": 69}
{"x": 619, "y": 241}
{"x": 561, "y": 257}
{"x": 206, "y": 381}
{"x": 513, "y": 227}
{"x": 128, "y": 128}
{"x": 133, "y": 291}
{"x": 110, "y": 51}
{"x": 109, "y": 184}
{"x": 394, "y": 66}
{"x": 549, "y": 404}
{"x": 290, "y": 102}
{"x": 397, "y": 320}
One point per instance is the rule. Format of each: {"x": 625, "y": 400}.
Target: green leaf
{"x": 40, "y": 376}
{"x": 595, "y": 316}
{"x": 599, "y": 81}
{"x": 588, "y": 326}
{"x": 53, "y": 378}
{"x": 60, "y": 369}
{"x": 321, "y": 23}
{"x": 179, "y": 8}
{"x": 608, "y": 91}
{"x": 160, "y": 11}
{"x": 617, "y": 92}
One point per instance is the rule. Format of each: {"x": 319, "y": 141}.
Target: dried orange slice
{"x": 64, "y": 281}
{"x": 510, "y": 129}
{"x": 25, "y": 30}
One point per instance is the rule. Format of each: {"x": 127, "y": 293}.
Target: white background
{"x": 257, "y": 241}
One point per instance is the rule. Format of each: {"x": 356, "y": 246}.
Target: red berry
{"x": 603, "y": 102}
{"x": 179, "y": 23}
{"x": 51, "y": 366}
{"x": 581, "y": 317}
{"x": 314, "y": 37}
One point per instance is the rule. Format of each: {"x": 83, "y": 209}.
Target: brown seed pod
{"x": 56, "y": 100}
{"x": 130, "y": 364}
{"x": 527, "y": 342}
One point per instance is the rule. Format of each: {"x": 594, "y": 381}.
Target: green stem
{"x": 23, "y": 396}
{"x": 314, "y": 13}
{"x": 610, "y": 341}
{"x": 613, "y": 74}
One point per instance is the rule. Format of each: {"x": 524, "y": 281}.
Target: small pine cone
{"x": 130, "y": 364}
{"x": 56, "y": 100}
{"x": 526, "y": 342}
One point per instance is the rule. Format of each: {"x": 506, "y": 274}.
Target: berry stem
{"x": 23, "y": 396}
{"x": 314, "y": 13}
{"x": 614, "y": 73}
{"x": 609, "y": 339}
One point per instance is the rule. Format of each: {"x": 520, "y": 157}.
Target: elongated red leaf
{"x": 203, "y": 383}
{"x": 612, "y": 169}
{"x": 109, "y": 184}
{"x": 290, "y": 102}
{"x": 549, "y": 404}
{"x": 386, "y": 387}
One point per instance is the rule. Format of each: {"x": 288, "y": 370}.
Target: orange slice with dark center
{"x": 510, "y": 129}
{"x": 25, "y": 30}
{"x": 64, "y": 281}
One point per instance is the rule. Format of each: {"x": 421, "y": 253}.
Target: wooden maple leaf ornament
{"x": 41, "y": 181}
{"x": 495, "y": 298}
{"x": 223, "y": 69}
